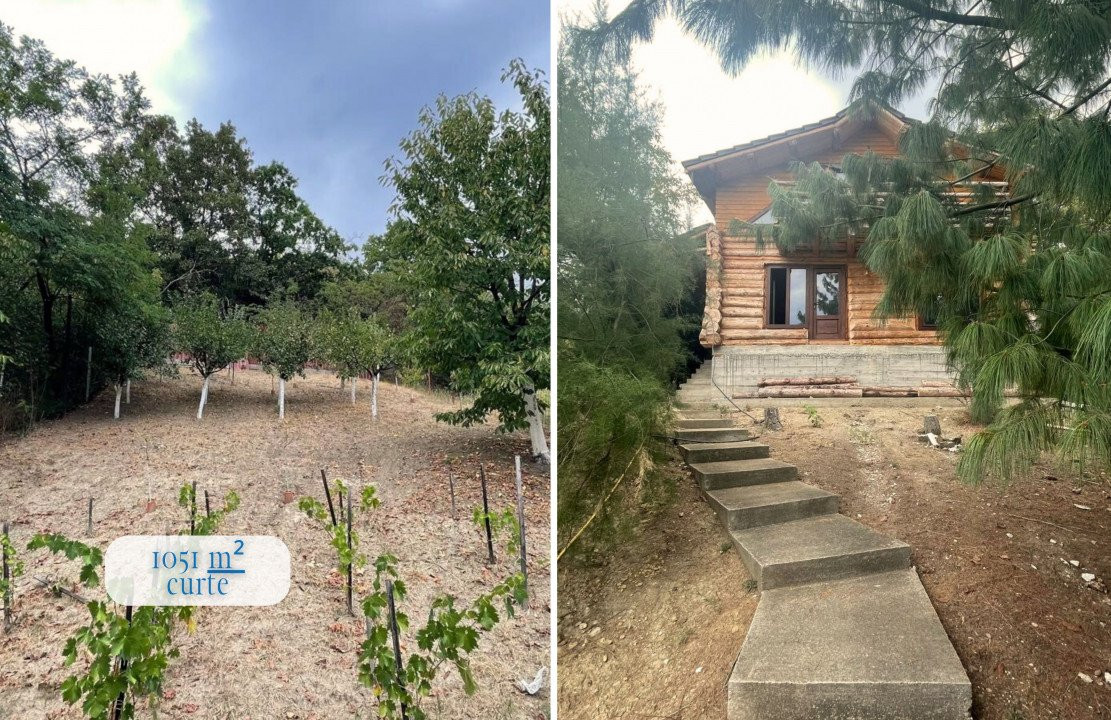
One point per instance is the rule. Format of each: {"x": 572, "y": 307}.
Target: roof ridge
{"x": 831, "y": 120}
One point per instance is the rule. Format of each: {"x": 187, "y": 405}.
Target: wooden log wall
{"x": 740, "y": 297}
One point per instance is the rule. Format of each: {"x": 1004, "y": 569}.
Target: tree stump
{"x": 771, "y": 419}
{"x": 931, "y": 424}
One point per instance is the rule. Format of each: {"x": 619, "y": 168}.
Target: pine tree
{"x": 624, "y": 277}
{"x": 1019, "y": 282}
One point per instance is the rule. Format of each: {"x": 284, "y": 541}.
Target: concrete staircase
{"x": 844, "y": 629}
{"x": 699, "y": 391}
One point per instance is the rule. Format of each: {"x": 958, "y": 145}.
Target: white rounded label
{"x": 197, "y": 570}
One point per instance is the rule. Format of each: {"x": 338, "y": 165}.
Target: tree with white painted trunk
{"x": 469, "y": 243}
{"x": 212, "y": 335}
{"x": 355, "y": 345}
{"x": 284, "y": 344}
{"x": 130, "y": 339}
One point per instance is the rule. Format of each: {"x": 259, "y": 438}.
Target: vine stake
{"x": 118, "y": 706}
{"x": 396, "y": 644}
{"x": 521, "y": 521}
{"x": 451, "y": 486}
{"x": 7, "y": 584}
{"x": 486, "y": 512}
{"x": 193, "y": 509}
{"x": 350, "y": 565}
{"x": 328, "y": 496}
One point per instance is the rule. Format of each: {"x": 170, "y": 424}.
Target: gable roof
{"x": 708, "y": 171}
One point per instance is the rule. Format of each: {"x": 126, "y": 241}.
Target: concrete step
{"x": 710, "y": 434}
{"x": 816, "y": 549}
{"x": 867, "y": 648}
{"x": 696, "y": 423}
{"x": 738, "y": 473}
{"x": 720, "y": 452}
{"x": 747, "y": 507}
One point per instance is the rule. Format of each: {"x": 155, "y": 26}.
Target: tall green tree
{"x": 224, "y": 225}
{"x": 212, "y": 334}
{"x": 470, "y": 241}
{"x": 1019, "y": 283}
{"x": 625, "y": 272}
{"x": 65, "y": 255}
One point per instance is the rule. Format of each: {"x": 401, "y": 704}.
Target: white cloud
{"x": 148, "y": 37}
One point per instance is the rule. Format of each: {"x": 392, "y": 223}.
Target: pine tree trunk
{"x": 535, "y": 425}
{"x": 204, "y": 398}
{"x": 342, "y": 382}
{"x": 281, "y": 398}
{"x": 127, "y": 392}
{"x": 374, "y": 397}
{"x": 353, "y": 389}
{"x": 119, "y": 392}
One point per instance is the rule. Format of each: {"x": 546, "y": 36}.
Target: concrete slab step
{"x": 720, "y": 452}
{"x": 816, "y": 549}
{"x": 696, "y": 423}
{"x": 867, "y": 648}
{"x": 747, "y": 507}
{"x": 737, "y": 473}
{"x": 710, "y": 434}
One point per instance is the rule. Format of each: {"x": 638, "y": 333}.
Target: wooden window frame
{"x": 922, "y": 326}
{"x": 768, "y": 294}
{"x": 812, "y": 268}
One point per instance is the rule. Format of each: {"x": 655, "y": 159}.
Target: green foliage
{"x": 354, "y": 345}
{"x": 347, "y": 554}
{"x": 283, "y": 339}
{"x": 206, "y": 523}
{"x": 1017, "y": 277}
{"x": 145, "y": 643}
{"x": 450, "y": 635}
{"x": 91, "y": 558}
{"x": 213, "y": 335}
{"x": 108, "y": 215}
{"x": 503, "y": 524}
{"x": 469, "y": 242}
{"x": 630, "y": 293}
{"x": 812, "y": 415}
{"x": 15, "y": 567}
{"x": 128, "y": 658}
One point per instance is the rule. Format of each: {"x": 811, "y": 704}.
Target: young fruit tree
{"x": 1017, "y": 275}
{"x": 130, "y": 340}
{"x": 211, "y": 335}
{"x": 469, "y": 240}
{"x": 354, "y": 345}
{"x": 284, "y": 344}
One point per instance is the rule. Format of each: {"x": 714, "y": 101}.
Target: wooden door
{"x": 827, "y": 293}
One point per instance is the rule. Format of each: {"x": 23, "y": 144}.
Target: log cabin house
{"x": 805, "y": 314}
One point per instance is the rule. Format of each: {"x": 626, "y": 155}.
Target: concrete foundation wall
{"x": 740, "y": 368}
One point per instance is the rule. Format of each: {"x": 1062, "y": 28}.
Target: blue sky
{"x": 328, "y": 88}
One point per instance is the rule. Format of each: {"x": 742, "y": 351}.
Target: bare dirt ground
{"x": 296, "y": 659}
{"x": 1002, "y": 565}
{"x": 997, "y": 561}
{"x": 654, "y": 631}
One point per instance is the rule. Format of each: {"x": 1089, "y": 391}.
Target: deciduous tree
{"x": 284, "y": 343}
{"x": 469, "y": 240}
{"x": 213, "y": 336}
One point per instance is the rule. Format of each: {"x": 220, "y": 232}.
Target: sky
{"x": 705, "y": 109}
{"x": 328, "y": 89}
